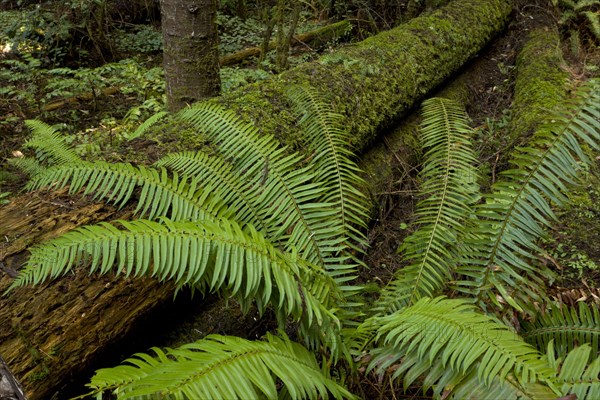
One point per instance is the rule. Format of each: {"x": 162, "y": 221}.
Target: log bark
{"x": 48, "y": 333}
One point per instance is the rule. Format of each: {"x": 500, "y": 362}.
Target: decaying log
{"x": 55, "y": 105}
{"x": 50, "y": 332}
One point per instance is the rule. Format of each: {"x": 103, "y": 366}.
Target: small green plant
{"x": 581, "y": 17}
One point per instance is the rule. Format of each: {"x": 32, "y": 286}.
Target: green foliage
{"x": 50, "y": 148}
{"x": 233, "y": 78}
{"x": 512, "y": 219}
{"x": 141, "y": 39}
{"x": 579, "y": 372}
{"x": 566, "y": 327}
{"x": 223, "y": 367}
{"x": 449, "y": 191}
{"x": 581, "y": 15}
{"x": 236, "y": 34}
{"x": 451, "y": 332}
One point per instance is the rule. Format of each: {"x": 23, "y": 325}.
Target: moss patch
{"x": 540, "y": 85}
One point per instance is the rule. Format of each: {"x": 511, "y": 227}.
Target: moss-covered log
{"x": 48, "y": 333}
{"x": 374, "y": 82}
{"x": 540, "y": 84}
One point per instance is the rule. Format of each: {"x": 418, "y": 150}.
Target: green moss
{"x": 540, "y": 85}
{"x": 375, "y": 81}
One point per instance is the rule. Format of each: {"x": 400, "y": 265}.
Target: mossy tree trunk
{"x": 191, "y": 53}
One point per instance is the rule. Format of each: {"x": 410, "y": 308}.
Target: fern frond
{"x": 30, "y": 166}
{"x": 219, "y": 175}
{"x": 567, "y": 326}
{"x": 503, "y": 254}
{"x": 147, "y": 124}
{"x": 178, "y": 198}
{"x": 464, "y": 340}
{"x": 292, "y": 206}
{"x": 50, "y": 145}
{"x": 450, "y": 190}
{"x": 333, "y": 161}
{"x": 209, "y": 256}
{"x": 594, "y": 25}
{"x": 579, "y": 372}
{"x": 221, "y": 367}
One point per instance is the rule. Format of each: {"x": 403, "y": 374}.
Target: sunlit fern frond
{"x": 593, "y": 22}
{"x": 444, "y": 339}
{"x": 221, "y": 367}
{"x": 501, "y": 266}
{"x": 28, "y": 165}
{"x": 178, "y": 198}
{"x": 147, "y": 124}
{"x": 333, "y": 161}
{"x": 209, "y": 256}
{"x": 567, "y": 327}
{"x": 579, "y": 373}
{"x": 218, "y": 174}
{"x": 49, "y": 144}
{"x": 449, "y": 191}
{"x": 292, "y": 203}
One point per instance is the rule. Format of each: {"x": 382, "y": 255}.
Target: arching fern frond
{"x": 461, "y": 339}
{"x": 147, "y": 124}
{"x": 579, "y": 372}
{"x": 49, "y": 144}
{"x": 450, "y": 190}
{"x": 333, "y": 161}
{"x": 567, "y": 326}
{"x": 295, "y": 214}
{"x": 29, "y": 165}
{"x": 221, "y": 367}
{"x": 177, "y": 198}
{"x": 503, "y": 254}
{"x": 218, "y": 174}
{"x": 210, "y": 256}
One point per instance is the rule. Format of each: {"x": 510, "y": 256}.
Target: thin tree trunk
{"x": 191, "y": 54}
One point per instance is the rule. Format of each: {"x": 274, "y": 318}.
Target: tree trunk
{"x": 191, "y": 53}
{"x": 50, "y": 332}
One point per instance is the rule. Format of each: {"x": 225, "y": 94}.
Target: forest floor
{"x": 490, "y": 94}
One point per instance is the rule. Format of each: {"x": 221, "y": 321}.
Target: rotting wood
{"x": 55, "y": 105}
{"x": 50, "y": 332}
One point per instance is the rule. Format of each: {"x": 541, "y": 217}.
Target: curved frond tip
{"x": 461, "y": 340}
{"x": 221, "y": 367}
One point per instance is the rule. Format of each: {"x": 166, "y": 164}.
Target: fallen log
{"x": 318, "y": 36}
{"x": 540, "y": 84}
{"x": 50, "y": 332}
{"x": 55, "y": 105}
